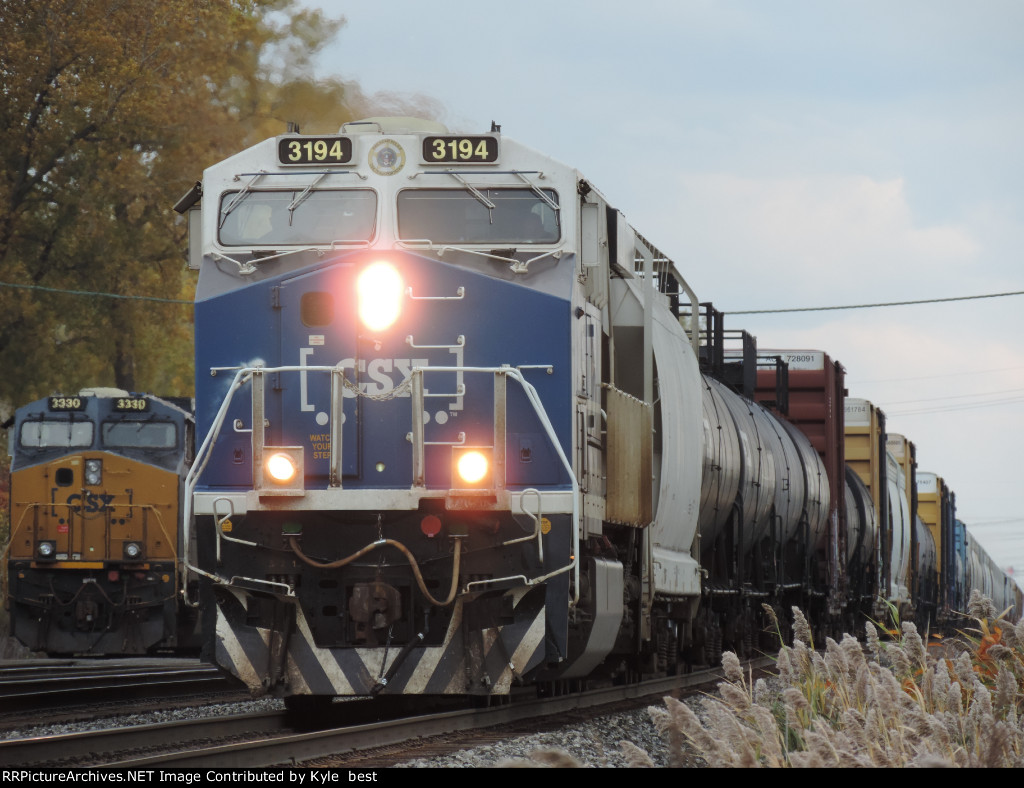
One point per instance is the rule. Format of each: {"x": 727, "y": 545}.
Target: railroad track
{"x": 271, "y": 739}
{"x": 46, "y": 684}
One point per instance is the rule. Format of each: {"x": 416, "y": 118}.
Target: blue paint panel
{"x": 234, "y": 329}
{"x": 500, "y": 322}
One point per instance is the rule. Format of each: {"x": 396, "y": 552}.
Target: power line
{"x": 885, "y": 404}
{"x": 961, "y": 406}
{"x": 95, "y": 294}
{"x": 870, "y": 306}
{"x": 737, "y": 312}
{"x": 934, "y": 377}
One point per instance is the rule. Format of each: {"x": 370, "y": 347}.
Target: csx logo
{"x": 382, "y": 372}
{"x": 90, "y": 502}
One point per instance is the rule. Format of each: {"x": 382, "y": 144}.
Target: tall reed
{"x": 886, "y": 702}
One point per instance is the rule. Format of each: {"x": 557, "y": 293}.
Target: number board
{"x": 314, "y": 150}
{"x": 134, "y": 404}
{"x": 67, "y": 403}
{"x": 464, "y": 150}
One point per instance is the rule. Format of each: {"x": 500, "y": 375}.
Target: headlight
{"x": 46, "y": 550}
{"x": 280, "y": 468}
{"x": 473, "y": 467}
{"x": 281, "y": 471}
{"x": 379, "y": 288}
{"x": 94, "y": 472}
{"x": 132, "y": 551}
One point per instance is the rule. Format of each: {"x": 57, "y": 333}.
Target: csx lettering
{"x": 383, "y": 373}
{"x": 91, "y": 502}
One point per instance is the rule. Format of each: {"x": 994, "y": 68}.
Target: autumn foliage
{"x": 111, "y": 110}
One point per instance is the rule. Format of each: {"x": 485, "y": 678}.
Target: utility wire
{"x": 737, "y": 312}
{"x": 951, "y": 396}
{"x": 962, "y": 406}
{"x": 95, "y": 294}
{"x": 972, "y": 373}
{"x": 870, "y": 306}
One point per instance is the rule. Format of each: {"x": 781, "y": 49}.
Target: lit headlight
{"x": 94, "y": 472}
{"x": 281, "y": 471}
{"x": 46, "y": 550}
{"x": 380, "y": 296}
{"x": 473, "y": 467}
{"x": 280, "y": 468}
{"x": 132, "y": 551}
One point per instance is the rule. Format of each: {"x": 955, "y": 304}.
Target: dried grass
{"x": 888, "y": 702}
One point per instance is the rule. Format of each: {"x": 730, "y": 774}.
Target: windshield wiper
{"x": 476, "y": 193}
{"x": 536, "y": 190}
{"x": 238, "y": 198}
{"x": 308, "y": 190}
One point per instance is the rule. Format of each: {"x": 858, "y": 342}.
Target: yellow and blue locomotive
{"x": 97, "y": 480}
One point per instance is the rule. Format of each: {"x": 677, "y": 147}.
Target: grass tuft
{"x": 889, "y": 702}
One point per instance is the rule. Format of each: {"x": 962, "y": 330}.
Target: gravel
{"x": 592, "y": 744}
{"x": 170, "y": 714}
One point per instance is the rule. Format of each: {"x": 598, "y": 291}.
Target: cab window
{"x": 297, "y": 217}
{"x": 139, "y": 434}
{"x": 483, "y": 216}
{"x": 51, "y": 433}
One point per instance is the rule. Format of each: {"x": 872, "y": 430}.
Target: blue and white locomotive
{"x": 423, "y": 368}
{"x": 461, "y": 427}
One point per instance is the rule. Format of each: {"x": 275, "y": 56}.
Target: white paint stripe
{"x": 431, "y": 657}
{"x": 528, "y": 645}
{"x": 425, "y": 669}
{"x": 323, "y": 656}
{"x": 243, "y": 667}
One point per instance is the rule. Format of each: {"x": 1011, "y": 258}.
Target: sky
{"x": 786, "y": 154}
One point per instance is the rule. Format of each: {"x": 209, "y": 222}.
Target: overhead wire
{"x": 871, "y": 306}
{"x": 95, "y": 294}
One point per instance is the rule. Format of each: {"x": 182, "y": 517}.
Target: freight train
{"x": 94, "y": 560}
{"x": 462, "y": 428}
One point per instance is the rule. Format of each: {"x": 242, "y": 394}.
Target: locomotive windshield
{"x": 53, "y": 433}
{"x": 480, "y": 216}
{"x": 299, "y": 216}
{"x": 139, "y": 434}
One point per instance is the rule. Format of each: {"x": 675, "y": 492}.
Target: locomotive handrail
{"x": 219, "y": 525}
{"x": 460, "y": 293}
{"x": 5, "y": 578}
{"x": 534, "y": 399}
{"x": 48, "y": 504}
{"x": 516, "y": 266}
{"x": 244, "y": 375}
{"x": 536, "y": 523}
{"x": 192, "y": 477}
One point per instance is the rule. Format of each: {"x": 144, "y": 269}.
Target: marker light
{"x": 472, "y": 467}
{"x": 380, "y": 296}
{"x": 280, "y": 468}
{"x": 93, "y": 472}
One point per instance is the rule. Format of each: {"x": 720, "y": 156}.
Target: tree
{"x": 111, "y": 110}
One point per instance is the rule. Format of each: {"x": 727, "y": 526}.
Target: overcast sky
{"x": 786, "y": 154}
